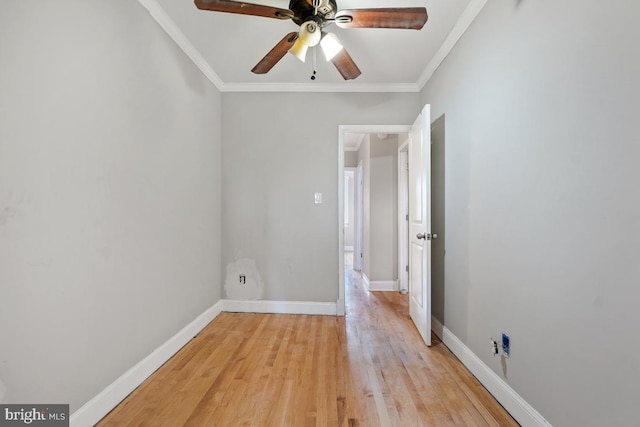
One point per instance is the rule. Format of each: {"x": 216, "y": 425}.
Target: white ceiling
{"x": 352, "y": 141}
{"x": 229, "y": 45}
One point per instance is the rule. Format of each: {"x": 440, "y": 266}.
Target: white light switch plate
{"x": 318, "y": 198}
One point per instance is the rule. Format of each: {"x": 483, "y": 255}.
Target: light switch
{"x": 318, "y": 198}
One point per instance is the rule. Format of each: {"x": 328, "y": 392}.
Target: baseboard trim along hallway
{"x": 384, "y": 285}
{"x": 520, "y": 409}
{"x": 95, "y": 409}
{"x": 281, "y": 307}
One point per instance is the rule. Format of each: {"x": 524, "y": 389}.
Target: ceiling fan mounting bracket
{"x": 304, "y": 11}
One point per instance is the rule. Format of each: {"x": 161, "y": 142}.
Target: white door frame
{"x": 358, "y": 204}
{"x": 342, "y": 129}
{"x": 403, "y": 217}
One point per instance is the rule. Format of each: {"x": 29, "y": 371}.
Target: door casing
{"x": 342, "y": 129}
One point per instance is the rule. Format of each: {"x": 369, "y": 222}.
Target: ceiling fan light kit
{"x": 309, "y": 33}
{"x": 330, "y": 46}
{"x": 312, "y": 16}
{"x": 299, "y": 50}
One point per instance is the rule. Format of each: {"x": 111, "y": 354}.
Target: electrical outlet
{"x": 506, "y": 345}
{"x": 243, "y": 279}
{"x": 494, "y": 347}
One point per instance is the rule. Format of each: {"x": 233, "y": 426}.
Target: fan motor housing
{"x": 304, "y": 11}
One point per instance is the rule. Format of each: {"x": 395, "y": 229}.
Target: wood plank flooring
{"x": 369, "y": 368}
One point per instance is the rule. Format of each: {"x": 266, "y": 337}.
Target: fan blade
{"x": 231, "y": 6}
{"x": 412, "y": 18}
{"x": 345, "y": 65}
{"x": 275, "y": 54}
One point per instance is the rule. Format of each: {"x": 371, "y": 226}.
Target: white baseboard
{"x": 519, "y": 409}
{"x": 383, "y": 285}
{"x": 95, "y": 409}
{"x": 281, "y": 307}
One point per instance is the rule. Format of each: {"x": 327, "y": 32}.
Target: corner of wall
{"x": 95, "y": 409}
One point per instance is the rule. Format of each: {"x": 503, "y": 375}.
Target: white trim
{"x": 321, "y": 87}
{"x": 342, "y": 129}
{"x": 391, "y": 129}
{"x": 170, "y": 27}
{"x": 403, "y": 217}
{"x": 383, "y": 285}
{"x": 95, "y": 409}
{"x": 348, "y": 248}
{"x": 280, "y": 307}
{"x": 358, "y": 218}
{"x": 519, "y": 409}
{"x": 340, "y": 307}
{"x": 461, "y": 27}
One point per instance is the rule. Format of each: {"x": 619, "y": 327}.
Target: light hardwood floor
{"x": 369, "y": 368}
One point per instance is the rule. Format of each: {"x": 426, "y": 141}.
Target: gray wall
{"x": 542, "y": 201}
{"x": 276, "y": 156}
{"x": 438, "y": 218}
{"x": 351, "y": 159}
{"x": 383, "y": 229}
{"x": 109, "y": 195}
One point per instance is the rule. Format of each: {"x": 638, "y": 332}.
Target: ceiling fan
{"x": 312, "y": 16}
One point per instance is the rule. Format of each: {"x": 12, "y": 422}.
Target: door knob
{"x": 427, "y": 236}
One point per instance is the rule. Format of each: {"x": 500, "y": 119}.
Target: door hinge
{"x": 407, "y": 216}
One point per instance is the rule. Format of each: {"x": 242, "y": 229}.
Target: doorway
{"x": 344, "y": 130}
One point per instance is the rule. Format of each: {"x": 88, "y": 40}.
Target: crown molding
{"x": 170, "y": 27}
{"x": 319, "y": 87}
{"x": 461, "y": 27}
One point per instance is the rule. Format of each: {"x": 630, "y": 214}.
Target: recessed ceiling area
{"x": 230, "y": 45}
{"x": 352, "y": 141}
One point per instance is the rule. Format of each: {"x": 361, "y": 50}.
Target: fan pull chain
{"x": 313, "y": 61}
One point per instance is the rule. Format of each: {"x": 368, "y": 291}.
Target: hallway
{"x": 369, "y": 368}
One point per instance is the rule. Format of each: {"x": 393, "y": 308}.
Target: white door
{"x": 420, "y": 224}
{"x": 357, "y": 250}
